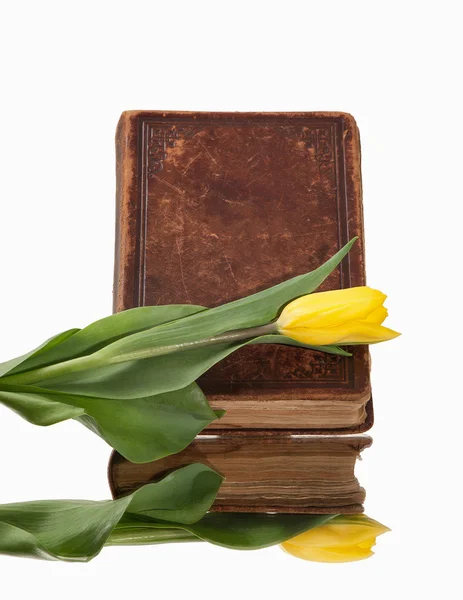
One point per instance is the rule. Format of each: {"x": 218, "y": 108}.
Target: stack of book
{"x": 212, "y": 207}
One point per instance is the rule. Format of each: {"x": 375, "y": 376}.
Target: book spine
{"x": 125, "y": 290}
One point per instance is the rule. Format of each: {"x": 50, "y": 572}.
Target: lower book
{"x": 264, "y": 471}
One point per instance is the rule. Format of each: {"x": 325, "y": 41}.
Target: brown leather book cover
{"x": 217, "y": 206}
{"x": 264, "y": 472}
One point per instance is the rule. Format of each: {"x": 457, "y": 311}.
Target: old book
{"x": 216, "y": 206}
{"x": 264, "y": 472}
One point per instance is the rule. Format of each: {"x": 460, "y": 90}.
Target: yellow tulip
{"x": 343, "y": 539}
{"x": 349, "y": 316}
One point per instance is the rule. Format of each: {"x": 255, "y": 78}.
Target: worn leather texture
{"x": 215, "y": 206}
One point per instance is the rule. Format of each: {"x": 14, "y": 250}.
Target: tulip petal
{"x": 362, "y": 332}
{"x": 328, "y": 309}
{"x": 368, "y": 544}
{"x": 377, "y": 316}
{"x": 345, "y": 538}
{"x": 328, "y": 555}
{"x": 337, "y": 535}
{"x": 355, "y": 332}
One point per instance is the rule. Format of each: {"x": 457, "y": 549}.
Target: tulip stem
{"x": 137, "y": 536}
{"x": 229, "y": 337}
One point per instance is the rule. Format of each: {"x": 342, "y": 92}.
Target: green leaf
{"x": 12, "y": 365}
{"x": 184, "y": 496}
{"x": 172, "y": 371}
{"x": 99, "y": 334}
{"x": 145, "y": 429}
{"x": 147, "y": 376}
{"x": 141, "y": 429}
{"x": 97, "y": 389}
{"x": 38, "y": 406}
{"x": 76, "y": 530}
{"x": 58, "y": 529}
{"x": 160, "y": 374}
{"x": 239, "y": 531}
{"x": 248, "y": 531}
{"x": 257, "y": 309}
{"x": 282, "y": 339}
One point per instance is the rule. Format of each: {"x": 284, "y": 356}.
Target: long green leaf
{"x": 160, "y": 389}
{"x": 76, "y": 530}
{"x": 10, "y": 366}
{"x": 97, "y": 335}
{"x": 38, "y": 406}
{"x": 247, "y": 531}
{"x": 145, "y": 429}
{"x": 160, "y": 374}
{"x": 141, "y": 429}
{"x": 257, "y": 309}
{"x": 238, "y": 531}
{"x": 183, "y": 496}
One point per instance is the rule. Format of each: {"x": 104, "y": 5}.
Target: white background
{"x": 68, "y": 70}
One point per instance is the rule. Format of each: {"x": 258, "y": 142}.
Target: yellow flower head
{"x": 343, "y": 539}
{"x": 349, "y": 316}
